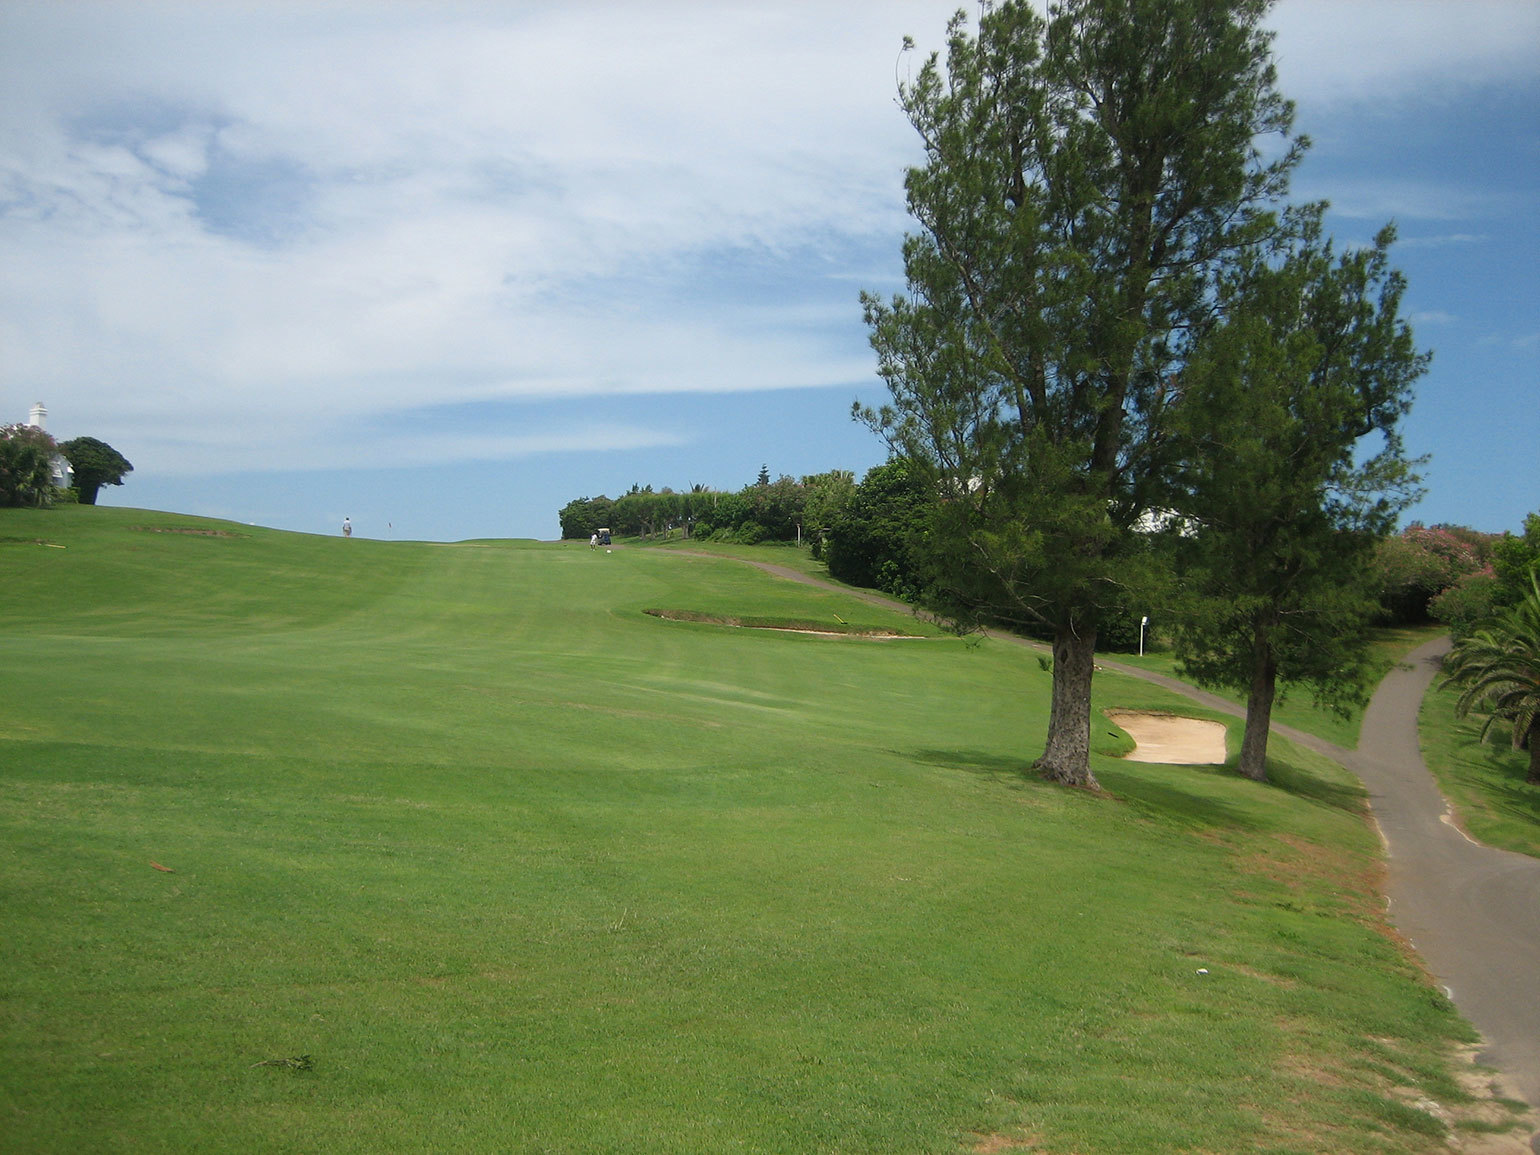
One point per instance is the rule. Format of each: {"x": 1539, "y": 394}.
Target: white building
{"x": 62, "y": 475}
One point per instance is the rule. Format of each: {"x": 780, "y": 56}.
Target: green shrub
{"x": 1471, "y": 600}
{"x": 873, "y": 542}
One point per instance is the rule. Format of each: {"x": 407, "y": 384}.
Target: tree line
{"x": 873, "y": 533}
{"x": 786, "y": 509}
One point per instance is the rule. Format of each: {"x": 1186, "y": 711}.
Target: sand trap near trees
{"x": 1172, "y": 739}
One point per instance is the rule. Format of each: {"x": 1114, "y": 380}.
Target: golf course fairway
{"x": 312, "y": 844}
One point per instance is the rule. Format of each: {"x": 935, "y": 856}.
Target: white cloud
{"x": 241, "y": 234}
{"x": 1376, "y": 50}
{"x": 217, "y": 216}
{"x": 1380, "y": 196}
{"x": 230, "y": 451}
{"x": 1439, "y": 241}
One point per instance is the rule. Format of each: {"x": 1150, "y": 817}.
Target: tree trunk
{"x": 86, "y": 491}
{"x": 1259, "y": 706}
{"x": 1067, "y": 755}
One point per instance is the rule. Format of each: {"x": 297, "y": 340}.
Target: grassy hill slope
{"x": 515, "y": 866}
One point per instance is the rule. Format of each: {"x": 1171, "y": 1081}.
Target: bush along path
{"x": 1471, "y": 911}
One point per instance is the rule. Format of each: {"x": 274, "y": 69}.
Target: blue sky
{"x": 443, "y": 266}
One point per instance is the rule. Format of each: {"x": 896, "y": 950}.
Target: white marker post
{"x": 1144, "y": 621}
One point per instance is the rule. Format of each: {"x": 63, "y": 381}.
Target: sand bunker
{"x": 1171, "y": 739}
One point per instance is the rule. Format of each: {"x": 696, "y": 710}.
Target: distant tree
{"x": 828, "y": 496}
{"x": 728, "y": 512}
{"x": 1498, "y": 667}
{"x": 582, "y": 516}
{"x": 634, "y": 512}
{"x": 95, "y": 464}
{"x": 1086, "y": 180}
{"x": 1310, "y": 358}
{"x": 1419, "y": 563}
{"x": 764, "y": 475}
{"x": 1468, "y": 603}
{"x": 878, "y": 540}
{"x": 1514, "y": 558}
{"x": 777, "y": 507}
{"x": 26, "y": 458}
{"x": 695, "y": 506}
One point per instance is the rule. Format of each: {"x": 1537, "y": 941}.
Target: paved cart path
{"x": 1472, "y": 912}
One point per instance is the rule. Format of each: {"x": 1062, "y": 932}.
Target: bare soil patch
{"x": 1172, "y": 739}
{"x": 818, "y": 629}
{"x": 190, "y": 530}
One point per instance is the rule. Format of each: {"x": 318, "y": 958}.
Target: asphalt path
{"x": 1472, "y": 912}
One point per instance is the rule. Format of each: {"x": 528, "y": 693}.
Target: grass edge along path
{"x": 1483, "y": 781}
{"x": 432, "y": 848}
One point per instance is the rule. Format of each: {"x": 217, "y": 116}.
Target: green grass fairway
{"x": 314, "y": 845}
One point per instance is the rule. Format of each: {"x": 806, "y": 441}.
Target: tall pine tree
{"x": 1282, "y": 497}
{"x": 1088, "y": 179}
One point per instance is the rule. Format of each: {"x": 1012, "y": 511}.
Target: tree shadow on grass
{"x": 1176, "y": 795}
{"x": 1013, "y": 772}
{"x": 1499, "y": 772}
{"x": 1177, "y": 798}
{"x": 1345, "y": 796}
{"x": 1156, "y": 798}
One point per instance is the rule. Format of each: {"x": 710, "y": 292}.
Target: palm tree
{"x": 1499, "y": 668}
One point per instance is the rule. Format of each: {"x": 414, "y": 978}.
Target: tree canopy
{"x": 786, "y": 509}
{"x": 1281, "y": 508}
{"x": 1088, "y": 178}
{"x": 95, "y": 464}
{"x": 877, "y": 539}
{"x": 26, "y": 457}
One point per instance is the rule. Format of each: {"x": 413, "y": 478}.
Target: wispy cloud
{"x": 1406, "y": 199}
{"x": 247, "y": 236}
{"x": 213, "y": 218}
{"x": 1444, "y": 240}
{"x": 1376, "y": 50}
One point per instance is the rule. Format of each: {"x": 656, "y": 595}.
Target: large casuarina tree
{"x": 95, "y": 464}
{"x": 1088, "y": 178}
{"x": 1292, "y": 471}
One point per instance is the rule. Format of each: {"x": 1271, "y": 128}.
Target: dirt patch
{"x": 1489, "y": 1122}
{"x": 817, "y": 629}
{"x": 189, "y": 530}
{"x": 1172, "y": 739}
{"x": 996, "y": 1144}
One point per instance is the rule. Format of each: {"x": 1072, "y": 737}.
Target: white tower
{"x": 63, "y": 474}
